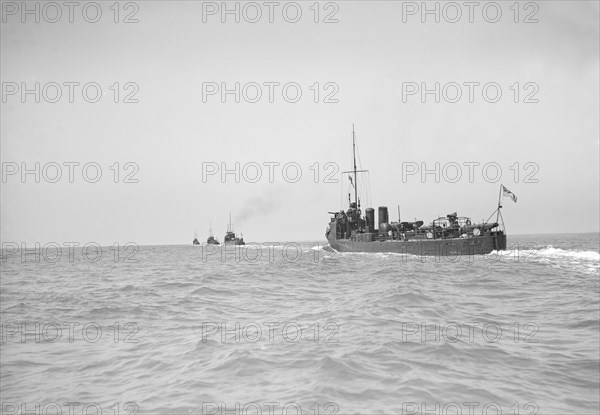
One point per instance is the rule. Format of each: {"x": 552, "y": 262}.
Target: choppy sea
{"x": 297, "y": 329}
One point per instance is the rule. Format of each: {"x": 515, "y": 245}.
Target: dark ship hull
{"x": 476, "y": 245}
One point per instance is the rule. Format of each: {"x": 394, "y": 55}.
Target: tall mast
{"x": 355, "y": 171}
{"x": 229, "y": 228}
{"x": 354, "y": 157}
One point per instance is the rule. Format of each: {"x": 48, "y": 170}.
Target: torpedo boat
{"x": 230, "y": 238}
{"x": 450, "y": 235}
{"x": 211, "y": 239}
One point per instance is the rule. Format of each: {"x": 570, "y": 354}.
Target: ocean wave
{"x": 375, "y": 331}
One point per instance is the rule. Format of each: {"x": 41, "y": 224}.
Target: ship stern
{"x": 499, "y": 241}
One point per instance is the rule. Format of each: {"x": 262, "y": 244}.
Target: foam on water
{"x": 550, "y": 251}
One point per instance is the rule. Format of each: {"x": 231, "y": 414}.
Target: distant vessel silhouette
{"x": 196, "y": 241}
{"x": 450, "y": 235}
{"x": 230, "y": 238}
{"x": 211, "y": 239}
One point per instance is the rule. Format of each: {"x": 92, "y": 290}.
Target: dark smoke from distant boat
{"x": 257, "y": 206}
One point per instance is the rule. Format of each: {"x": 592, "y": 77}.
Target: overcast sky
{"x": 364, "y": 61}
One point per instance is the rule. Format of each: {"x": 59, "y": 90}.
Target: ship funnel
{"x": 383, "y": 214}
{"x": 370, "y": 215}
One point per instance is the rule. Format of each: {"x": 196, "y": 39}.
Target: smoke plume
{"x": 257, "y": 206}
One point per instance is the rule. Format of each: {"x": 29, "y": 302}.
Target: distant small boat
{"x": 230, "y": 238}
{"x": 196, "y": 241}
{"x": 211, "y": 239}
